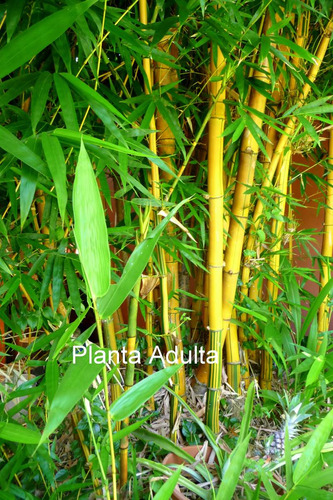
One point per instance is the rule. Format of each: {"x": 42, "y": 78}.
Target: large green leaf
{"x": 246, "y": 420}
{"x": 232, "y": 471}
{"x": 18, "y": 434}
{"x": 168, "y": 487}
{"x": 135, "y": 397}
{"x": 315, "y": 307}
{"x": 116, "y": 294}
{"x": 90, "y": 227}
{"x": 77, "y": 379}
{"x": 163, "y": 443}
{"x": 30, "y": 42}
{"x": 313, "y": 449}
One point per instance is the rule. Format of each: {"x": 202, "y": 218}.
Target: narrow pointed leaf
{"x": 18, "y": 434}
{"x": 168, "y": 487}
{"x": 246, "y": 420}
{"x": 313, "y": 449}
{"x": 135, "y": 397}
{"x": 66, "y": 103}
{"x": 163, "y": 443}
{"x": 17, "y": 148}
{"x": 39, "y": 97}
{"x": 75, "y": 383}
{"x": 27, "y": 191}
{"x": 90, "y": 227}
{"x": 91, "y": 95}
{"x": 57, "y": 166}
{"x": 14, "y": 11}
{"x": 233, "y": 470}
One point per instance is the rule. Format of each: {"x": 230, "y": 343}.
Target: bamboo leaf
{"x": 163, "y": 443}
{"x": 172, "y": 121}
{"x": 33, "y": 40}
{"x": 300, "y": 51}
{"x": 18, "y": 434}
{"x": 66, "y": 103}
{"x": 117, "y": 436}
{"x": 319, "y": 478}
{"x": 58, "y": 274}
{"x": 64, "y": 50}
{"x": 17, "y": 148}
{"x": 57, "y": 166}
{"x": 14, "y": 11}
{"x": 315, "y": 370}
{"x": 232, "y": 471}
{"x": 51, "y": 378}
{"x": 27, "y": 191}
{"x": 167, "y": 489}
{"x": 292, "y": 292}
{"x": 47, "y": 277}
{"x": 15, "y": 86}
{"x": 91, "y": 95}
{"x": 135, "y": 397}
{"x": 246, "y": 420}
{"x": 39, "y": 97}
{"x": 163, "y": 469}
{"x": 75, "y": 383}
{"x": 315, "y": 307}
{"x": 90, "y": 227}
{"x": 77, "y": 137}
{"x": 302, "y": 492}
{"x": 72, "y": 283}
{"x": 313, "y": 449}
{"x": 68, "y": 333}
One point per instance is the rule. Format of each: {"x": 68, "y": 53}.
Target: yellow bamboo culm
{"x": 241, "y": 202}
{"x": 155, "y": 189}
{"x": 327, "y": 245}
{"x": 196, "y": 316}
{"x": 250, "y": 286}
{"x": 215, "y": 249}
{"x": 275, "y": 254}
{"x": 301, "y": 38}
{"x": 166, "y": 147}
{"x": 111, "y": 343}
{"x": 150, "y": 344}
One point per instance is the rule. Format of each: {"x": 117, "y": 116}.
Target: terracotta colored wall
{"x": 310, "y": 215}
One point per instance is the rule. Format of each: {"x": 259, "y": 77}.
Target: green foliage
{"x": 74, "y": 127}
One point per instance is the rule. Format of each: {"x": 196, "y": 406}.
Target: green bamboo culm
{"x": 131, "y": 343}
{"x": 129, "y": 374}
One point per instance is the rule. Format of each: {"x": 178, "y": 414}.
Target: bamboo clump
{"x": 179, "y": 378}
